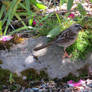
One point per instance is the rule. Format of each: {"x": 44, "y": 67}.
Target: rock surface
{"x": 21, "y": 57}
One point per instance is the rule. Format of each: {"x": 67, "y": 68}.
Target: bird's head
{"x": 77, "y": 27}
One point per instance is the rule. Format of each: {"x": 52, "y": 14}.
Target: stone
{"x": 21, "y": 57}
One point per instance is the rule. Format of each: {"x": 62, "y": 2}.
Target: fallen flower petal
{"x": 34, "y": 23}
{"x": 75, "y": 84}
{"x": 71, "y": 15}
{"x": 6, "y": 38}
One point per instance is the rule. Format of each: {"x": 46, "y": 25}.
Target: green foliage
{"x": 54, "y": 32}
{"x": 27, "y": 3}
{"x": 51, "y": 24}
{"x": 9, "y": 11}
{"x": 4, "y": 76}
{"x": 30, "y": 22}
{"x": 32, "y": 74}
{"x": 63, "y": 1}
{"x": 48, "y": 23}
{"x": 11, "y": 80}
{"x": 38, "y": 5}
{"x": 81, "y": 9}
{"x": 0, "y": 28}
{"x": 82, "y": 45}
{"x": 69, "y": 4}
{"x": 66, "y": 22}
{"x": 91, "y": 1}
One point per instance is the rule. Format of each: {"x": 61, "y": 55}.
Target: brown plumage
{"x": 65, "y": 38}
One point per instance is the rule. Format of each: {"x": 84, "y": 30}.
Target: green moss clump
{"x": 83, "y": 73}
{"x": 4, "y": 80}
{"x": 19, "y": 80}
{"x": 31, "y": 74}
{"x": 70, "y": 77}
{"x": 82, "y": 45}
{"x": 44, "y": 75}
{"x": 4, "y": 76}
{"x": 34, "y": 75}
{"x": 1, "y": 62}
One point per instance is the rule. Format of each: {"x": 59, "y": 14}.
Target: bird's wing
{"x": 66, "y": 36}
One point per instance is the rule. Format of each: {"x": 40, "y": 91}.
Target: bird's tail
{"x": 43, "y": 46}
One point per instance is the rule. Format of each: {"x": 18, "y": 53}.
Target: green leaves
{"x": 11, "y": 80}
{"x": 27, "y": 3}
{"x": 81, "y": 9}
{"x": 10, "y": 13}
{"x": 38, "y": 5}
{"x": 0, "y": 28}
{"x": 62, "y": 2}
{"x": 61, "y": 27}
{"x": 30, "y": 22}
{"x": 91, "y": 1}
{"x": 54, "y": 32}
{"x": 69, "y": 4}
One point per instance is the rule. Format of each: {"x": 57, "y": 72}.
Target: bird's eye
{"x": 77, "y": 25}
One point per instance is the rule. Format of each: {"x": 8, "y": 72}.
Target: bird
{"x": 65, "y": 39}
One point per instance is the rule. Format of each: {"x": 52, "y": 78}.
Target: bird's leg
{"x": 66, "y": 54}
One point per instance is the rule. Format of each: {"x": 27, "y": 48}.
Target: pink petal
{"x": 6, "y": 38}
{"x": 34, "y": 22}
{"x": 71, "y": 81}
{"x": 71, "y": 15}
{"x": 75, "y": 84}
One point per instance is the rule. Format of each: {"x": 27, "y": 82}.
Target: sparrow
{"x": 65, "y": 39}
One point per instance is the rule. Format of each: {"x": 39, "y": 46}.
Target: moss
{"x": 83, "y": 73}
{"x": 1, "y": 87}
{"x": 82, "y": 45}
{"x": 70, "y": 77}
{"x": 4, "y": 76}
{"x": 44, "y": 75}
{"x": 33, "y": 75}
{"x": 1, "y": 62}
{"x": 19, "y": 80}
{"x": 4, "y": 79}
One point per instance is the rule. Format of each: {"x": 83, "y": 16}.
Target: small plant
{"x": 10, "y": 11}
{"x": 11, "y": 80}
